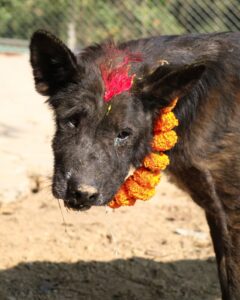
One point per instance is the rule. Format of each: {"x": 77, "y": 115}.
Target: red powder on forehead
{"x": 116, "y": 77}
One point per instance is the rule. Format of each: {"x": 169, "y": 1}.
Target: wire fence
{"x": 81, "y": 22}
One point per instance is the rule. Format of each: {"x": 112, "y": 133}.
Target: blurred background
{"x": 155, "y": 250}
{"x": 81, "y": 22}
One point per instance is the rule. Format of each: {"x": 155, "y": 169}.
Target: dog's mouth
{"x": 76, "y": 206}
{"x": 73, "y": 203}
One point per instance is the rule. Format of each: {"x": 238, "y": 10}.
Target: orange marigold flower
{"x": 146, "y": 178}
{"x": 156, "y": 161}
{"x": 164, "y": 141}
{"x": 113, "y": 204}
{"x": 137, "y": 191}
{"x": 122, "y": 198}
{"x": 165, "y": 122}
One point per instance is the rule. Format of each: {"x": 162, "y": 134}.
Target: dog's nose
{"x": 86, "y": 194}
{"x": 81, "y": 195}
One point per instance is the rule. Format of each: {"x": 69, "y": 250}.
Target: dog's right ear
{"x": 54, "y": 65}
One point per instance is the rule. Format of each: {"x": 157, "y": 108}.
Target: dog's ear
{"x": 54, "y": 65}
{"x": 158, "y": 88}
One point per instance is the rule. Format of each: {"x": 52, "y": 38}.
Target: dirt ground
{"x": 158, "y": 249}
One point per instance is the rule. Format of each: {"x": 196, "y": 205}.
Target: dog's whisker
{"x": 64, "y": 222}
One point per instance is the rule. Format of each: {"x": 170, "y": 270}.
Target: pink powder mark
{"x": 117, "y": 80}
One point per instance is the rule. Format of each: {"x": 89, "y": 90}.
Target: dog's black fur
{"x": 94, "y": 148}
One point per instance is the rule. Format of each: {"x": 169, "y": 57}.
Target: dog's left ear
{"x": 160, "y": 87}
{"x": 54, "y": 65}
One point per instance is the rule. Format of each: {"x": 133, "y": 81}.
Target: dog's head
{"x": 99, "y": 136}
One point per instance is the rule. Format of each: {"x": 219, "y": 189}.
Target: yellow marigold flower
{"x": 137, "y": 191}
{"x": 164, "y": 141}
{"x": 166, "y": 122}
{"x": 146, "y": 178}
{"x": 156, "y": 161}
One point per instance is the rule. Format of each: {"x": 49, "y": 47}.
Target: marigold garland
{"x": 141, "y": 185}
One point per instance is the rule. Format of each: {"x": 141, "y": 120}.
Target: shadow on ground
{"x": 135, "y": 278}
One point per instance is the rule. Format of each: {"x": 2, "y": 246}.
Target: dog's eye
{"x": 73, "y": 121}
{"x": 122, "y": 137}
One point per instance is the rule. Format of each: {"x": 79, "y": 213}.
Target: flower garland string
{"x": 141, "y": 185}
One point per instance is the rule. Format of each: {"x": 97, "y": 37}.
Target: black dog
{"x": 94, "y": 150}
